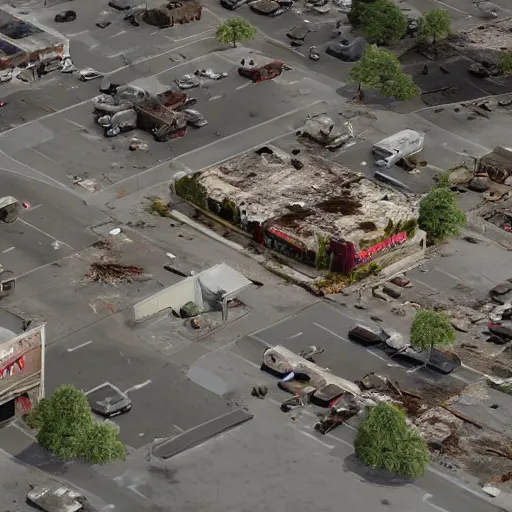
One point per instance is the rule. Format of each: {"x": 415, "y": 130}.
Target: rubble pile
{"x": 113, "y": 273}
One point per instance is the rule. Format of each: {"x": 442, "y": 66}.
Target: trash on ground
{"x": 111, "y": 273}
{"x": 67, "y": 65}
{"x": 209, "y": 73}
{"x": 310, "y": 352}
{"x": 137, "y": 144}
{"x": 188, "y": 82}
{"x": 259, "y": 391}
{"x": 114, "y": 231}
{"x": 491, "y": 491}
{"x": 194, "y": 118}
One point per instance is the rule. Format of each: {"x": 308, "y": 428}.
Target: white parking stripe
{"x": 79, "y": 346}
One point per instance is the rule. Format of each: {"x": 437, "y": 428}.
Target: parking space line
{"x": 318, "y": 440}
{"x": 332, "y": 333}
{"x": 45, "y": 233}
{"x": 243, "y": 86}
{"x": 451, "y": 7}
{"x": 8, "y": 250}
{"x": 296, "y": 335}
{"x": 80, "y": 346}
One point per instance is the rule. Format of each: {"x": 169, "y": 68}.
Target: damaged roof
{"x": 304, "y": 195}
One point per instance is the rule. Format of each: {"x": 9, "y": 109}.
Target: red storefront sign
{"x": 285, "y": 237}
{"x": 368, "y": 254}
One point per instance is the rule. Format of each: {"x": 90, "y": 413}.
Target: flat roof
{"x": 304, "y": 195}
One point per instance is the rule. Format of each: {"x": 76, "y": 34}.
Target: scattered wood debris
{"x": 112, "y": 273}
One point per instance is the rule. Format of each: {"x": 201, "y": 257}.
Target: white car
{"x": 400, "y": 145}
{"x": 87, "y": 74}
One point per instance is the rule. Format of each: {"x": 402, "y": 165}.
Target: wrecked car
{"x": 259, "y": 68}
{"x": 108, "y": 401}
{"x": 233, "y": 4}
{"x": 65, "y": 16}
{"x": 396, "y": 347}
{"x": 87, "y": 74}
{"x": 400, "y": 145}
{"x": 172, "y": 13}
{"x": 271, "y": 7}
{"x": 299, "y": 32}
{"x": 9, "y": 209}
{"x": 188, "y": 82}
{"x": 122, "y": 5}
{"x": 322, "y": 129}
{"x": 194, "y": 118}
{"x": 347, "y": 51}
{"x": 209, "y": 73}
{"x": 297, "y": 374}
{"x": 121, "y": 122}
{"x": 57, "y": 498}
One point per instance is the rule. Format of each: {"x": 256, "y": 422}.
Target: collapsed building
{"x": 305, "y": 207}
{"x": 25, "y": 45}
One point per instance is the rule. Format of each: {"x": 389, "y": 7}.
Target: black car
{"x": 233, "y": 4}
{"x": 367, "y": 336}
{"x": 108, "y": 401}
{"x": 347, "y": 51}
{"x": 62, "y": 17}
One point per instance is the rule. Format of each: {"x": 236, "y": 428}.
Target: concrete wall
{"x": 172, "y": 297}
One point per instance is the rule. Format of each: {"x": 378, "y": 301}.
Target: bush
{"x": 384, "y": 441}
{"x": 505, "y": 63}
{"x": 440, "y": 217}
{"x": 67, "y": 430}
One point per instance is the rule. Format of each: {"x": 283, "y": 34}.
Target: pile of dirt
{"x": 113, "y": 273}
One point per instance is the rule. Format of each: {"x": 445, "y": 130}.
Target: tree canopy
{"x": 440, "y": 217}
{"x": 383, "y": 22}
{"x": 380, "y": 70}
{"x": 234, "y": 30}
{"x": 384, "y": 441}
{"x": 434, "y": 24}
{"x": 66, "y": 428}
{"x": 505, "y": 63}
{"x": 431, "y": 329}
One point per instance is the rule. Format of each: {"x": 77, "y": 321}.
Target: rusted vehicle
{"x": 9, "y": 209}
{"x": 175, "y": 100}
{"x": 171, "y": 13}
{"x": 163, "y": 123}
{"x": 259, "y": 68}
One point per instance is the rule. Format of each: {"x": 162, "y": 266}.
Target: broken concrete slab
{"x": 200, "y": 434}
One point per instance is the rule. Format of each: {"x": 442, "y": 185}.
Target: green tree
{"x": 380, "y": 70}
{"x": 431, "y": 329}
{"x": 440, "y": 217}
{"x": 235, "y": 29}
{"x": 356, "y": 11}
{"x": 384, "y": 441}
{"x": 66, "y": 428}
{"x": 383, "y": 22}
{"x": 505, "y": 63}
{"x": 434, "y": 25}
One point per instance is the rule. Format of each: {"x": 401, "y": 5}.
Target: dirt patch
{"x": 343, "y": 205}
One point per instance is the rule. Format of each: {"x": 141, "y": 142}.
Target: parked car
{"x": 194, "y": 118}
{"x": 397, "y": 348}
{"x": 56, "y": 497}
{"x": 259, "y": 68}
{"x": 62, "y": 17}
{"x": 108, "y": 401}
{"x": 271, "y": 7}
{"x": 400, "y": 145}
{"x": 347, "y": 51}
{"x": 233, "y": 4}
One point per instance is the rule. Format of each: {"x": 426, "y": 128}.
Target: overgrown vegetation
{"x": 383, "y": 22}
{"x": 440, "y": 217}
{"x": 322, "y": 258}
{"x": 505, "y": 63}
{"x": 434, "y": 25}
{"x": 235, "y": 30}
{"x": 380, "y": 70}
{"x": 334, "y": 282}
{"x": 66, "y": 428}
{"x": 384, "y": 441}
{"x": 409, "y": 226}
{"x": 231, "y": 210}
{"x": 431, "y": 329}
{"x": 159, "y": 207}
{"x": 190, "y": 189}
